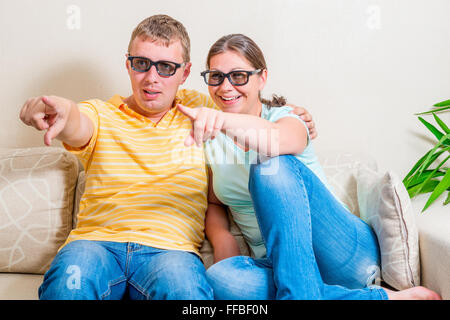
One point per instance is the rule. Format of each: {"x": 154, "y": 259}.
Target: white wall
{"x": 362, "y": 67}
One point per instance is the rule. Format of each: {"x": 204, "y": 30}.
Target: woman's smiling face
{"x": 236, "y": 99}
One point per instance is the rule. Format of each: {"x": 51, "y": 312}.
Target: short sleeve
{"x": 277, "y": 113}
{"x": 84, "y": 153}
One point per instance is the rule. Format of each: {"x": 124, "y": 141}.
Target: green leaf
{"x": 434, "y": 110}
{"x": 422, "y": 165}
{"x": 442, "y": 104}
{"x": 429, "y": 187}
{"x": 431, "y": 176}
{"x": 447, "y": 201}
{"x": 431, "y": 155}
{"x": 419, "y": 178}
{"x": 432, "y": 128}
{"x": 440, "y": 188}
{"x": 415, "y": 167}
{"x": 441, "y": 123}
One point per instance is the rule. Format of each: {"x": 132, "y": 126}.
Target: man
{"x": 141, "y": 218}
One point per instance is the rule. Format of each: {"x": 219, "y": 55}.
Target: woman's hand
{"x": 206, "y": 124}
{"x": 307, "y": 117}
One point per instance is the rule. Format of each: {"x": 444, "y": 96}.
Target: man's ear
{"x": 127, "y": 65}
{"x": 186, "y": 72}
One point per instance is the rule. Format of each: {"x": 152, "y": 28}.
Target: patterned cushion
{"x": 36, "y": 202}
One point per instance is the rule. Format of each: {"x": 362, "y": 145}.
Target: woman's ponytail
{"x": 277, "y": 101}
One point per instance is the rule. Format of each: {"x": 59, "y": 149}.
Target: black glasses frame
{"x": 156, "y": 64}
{"x": 204, "y": 74}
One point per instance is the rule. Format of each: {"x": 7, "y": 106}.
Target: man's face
{"x": 153, "y": 93}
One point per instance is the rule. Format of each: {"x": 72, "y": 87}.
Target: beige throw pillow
{"x": 36, "y": 201}
{"x": 341, "y": 168}
{"x": 385, "y": 205}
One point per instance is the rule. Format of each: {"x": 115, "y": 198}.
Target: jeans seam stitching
{"x": 306, "y": 200}
{"x": 141, "y": 290}
{"x": 383, "y": 294}
{"x": 111, "y": 284}
{"x": 128, "y": 259}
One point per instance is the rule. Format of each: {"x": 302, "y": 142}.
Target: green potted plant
{"x": 430, "y": 174}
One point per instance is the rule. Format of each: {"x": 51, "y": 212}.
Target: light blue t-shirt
{"x": 230, "y": 166}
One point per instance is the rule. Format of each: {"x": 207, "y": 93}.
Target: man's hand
{"x": 307, "y": 117}
{"x": 47, "y": 113}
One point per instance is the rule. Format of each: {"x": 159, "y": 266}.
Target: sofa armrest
{"x": 434, "y": 242}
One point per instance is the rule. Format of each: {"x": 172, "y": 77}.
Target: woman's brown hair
{"x": 250, "y": 51}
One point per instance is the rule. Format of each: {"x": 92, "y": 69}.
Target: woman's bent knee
{"x": 273, "y": 173}
{"x": 240, "y": 278}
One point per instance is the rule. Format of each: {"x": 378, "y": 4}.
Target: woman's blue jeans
{"x": 316, "y": 249}
{"x": 93, "y": 270}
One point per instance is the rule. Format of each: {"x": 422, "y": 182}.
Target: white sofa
{"x": 40, "y": 189}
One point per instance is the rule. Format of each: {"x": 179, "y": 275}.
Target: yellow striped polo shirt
{"x": 143, "y": 184}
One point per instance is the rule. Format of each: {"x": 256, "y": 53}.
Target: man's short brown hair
{"x": 165, "y": 29}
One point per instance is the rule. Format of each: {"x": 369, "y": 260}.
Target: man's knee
{"x": 75, "y": 272}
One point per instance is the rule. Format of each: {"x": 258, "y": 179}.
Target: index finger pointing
{"x": 190, "y": 112}
{"x": 50, "y": 105}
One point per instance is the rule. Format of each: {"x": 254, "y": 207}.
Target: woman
{"x": 306, "y": 244}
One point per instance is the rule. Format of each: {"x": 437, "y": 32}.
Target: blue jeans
{"x": 92, "y": 270}
{"x": 316, "y": 249}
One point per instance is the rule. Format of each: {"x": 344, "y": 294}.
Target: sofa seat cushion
{"x": 19, "y": 286}
{"x": 36, "y": 202}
